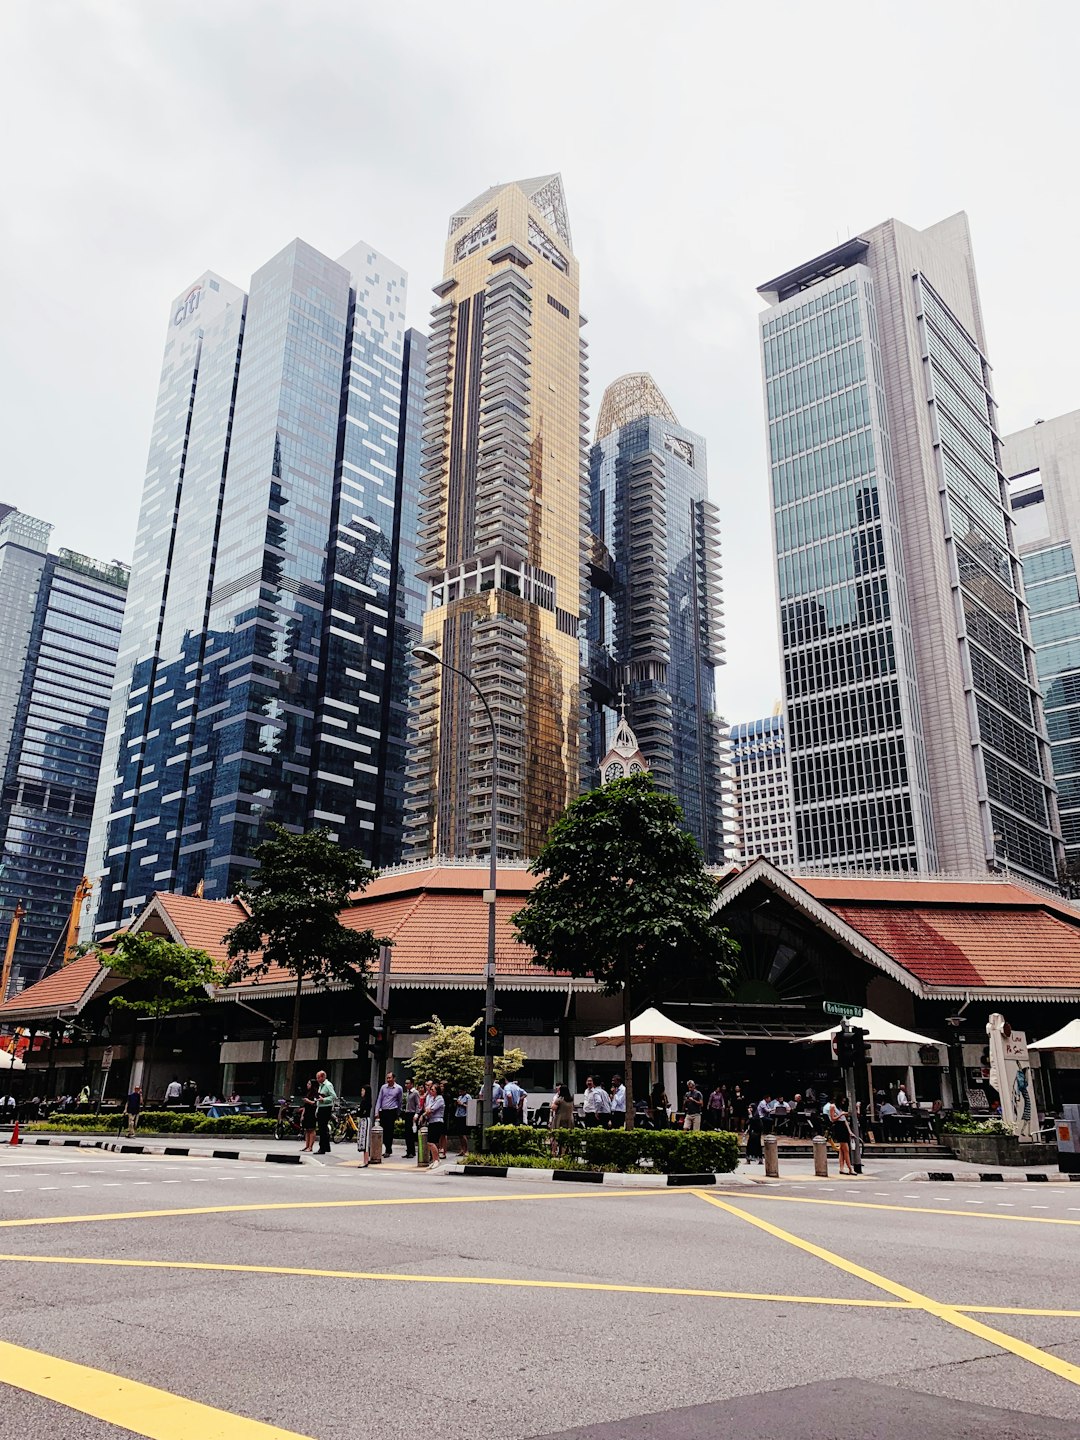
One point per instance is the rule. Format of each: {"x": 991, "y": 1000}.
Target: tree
{"x": 624, "y": 897}
{"x": 447, "y": 1054}
{"x": 166, "y": 975}
{"x": 294, "y": 901}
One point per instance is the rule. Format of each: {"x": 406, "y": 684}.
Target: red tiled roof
{"x": 202, "y": 924}
{"x": 899, "y": 891}
{"x": 967, "y": 946}
{"x": 58, "y": 991}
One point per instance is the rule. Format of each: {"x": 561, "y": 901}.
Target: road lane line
{"x": 870, "y": 1205}
{"x": 141, "y": 1409}
{"x": 950, "y": 1314}
{"x": 482, "y": 1280}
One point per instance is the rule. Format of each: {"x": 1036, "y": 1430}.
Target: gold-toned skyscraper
{"x": 503, "y": 521}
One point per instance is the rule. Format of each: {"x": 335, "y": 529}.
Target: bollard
{"x": 375, "y": 1145}
{"x": 421, "y": 1146}
{"x": 772, "y": 1169}
{"x": 821, "y": 1156}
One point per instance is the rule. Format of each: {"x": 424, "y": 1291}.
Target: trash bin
{"x": 1068, "y": 1140}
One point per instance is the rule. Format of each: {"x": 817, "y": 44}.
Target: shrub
{"x": 961, "y": 1125}
{"x": 515, "y": 1140}
{"x": 670, "y": 1151}
{"x": 155, "y": 1122}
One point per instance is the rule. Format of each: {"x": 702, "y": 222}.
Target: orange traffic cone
{"x": 15, "y": 1135}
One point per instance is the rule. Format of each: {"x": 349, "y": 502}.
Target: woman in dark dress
{"x": 840, "y": 1129}
{"x": 308, "y": 1107}
{"x": 753, "y": 1136}
{"x": 658, "y": 1105}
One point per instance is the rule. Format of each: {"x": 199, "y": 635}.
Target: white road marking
{"x": 1040, "y": 1207}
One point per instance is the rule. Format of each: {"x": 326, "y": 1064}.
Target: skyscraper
{"x": 913, "y": 720}
{"x": 61, "y": 628}
{"x": 761, "y": 792}
{"x": 655, "y": 629}
{"x": 502, "y": 529}
{"x": 254, "y": 677}
{"x": 1043, "y": 464}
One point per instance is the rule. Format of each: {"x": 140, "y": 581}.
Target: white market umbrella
{"x": 11, "y": 1062}
{"x": 652, "y": 1028}
{"x": 881, "y": 1032}
{"x": 1067, "y": 1038}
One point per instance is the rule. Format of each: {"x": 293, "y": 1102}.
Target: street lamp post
{"x": 428, "y": 656}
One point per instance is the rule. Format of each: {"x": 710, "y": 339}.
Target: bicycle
{"x": 343, "y": 1126}
{"x": 288, "y": 1126}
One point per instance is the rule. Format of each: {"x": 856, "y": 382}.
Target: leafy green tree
{"x": 447, "y": 1054}
{"x": 624, "y": 897}
{"x": 294, "y": 900}
{"x": 164, "y": 975}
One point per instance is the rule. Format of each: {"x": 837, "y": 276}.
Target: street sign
{"x": 106, "y": 1058}
{"x": 837, "y": 1007}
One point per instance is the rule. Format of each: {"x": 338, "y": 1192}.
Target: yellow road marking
{"x": 909, "y": 1209}
{"x": 142, "y": 1409}
{"x": 453, "y": 1280}
{"x": 589, "y": 1194}
{"x": 949, "y": 1313}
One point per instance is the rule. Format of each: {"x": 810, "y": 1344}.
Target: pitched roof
{"x": 200, "y": 924}
{"x": 62, "y": 990}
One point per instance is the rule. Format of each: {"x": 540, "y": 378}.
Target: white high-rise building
{"x": 761, "y": 792}
{"x": 913, "y": 716}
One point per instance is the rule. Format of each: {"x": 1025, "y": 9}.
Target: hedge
{"x": 669, "y": 1151}
{"x": 155, "y": 1122}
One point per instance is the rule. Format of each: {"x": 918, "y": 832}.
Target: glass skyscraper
{"x": 654, "y": 632}
{"x": 913, "y": 715}
{"x": 60, "y": 630}
{"x": 761, "y": 792}
{"x": 255, "y": 672}
{"x": 1043, "y": 464}
{"x": 502, "y": 530}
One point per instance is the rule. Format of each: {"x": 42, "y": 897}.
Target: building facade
{"x": 761, "y": 792}
{"x": 1043, "y": 464}
{"x": 254, "y": 682}
{"x": 62, "y": 615}
{"x": 913, "y": 717}
{"x": 654, "y": 632}
{"x": 502, "y": 530}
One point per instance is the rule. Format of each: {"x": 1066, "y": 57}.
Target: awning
{"x": 1067, "y": 1038}
{"x": 652, "y": 1028}
{"x": 881, "y": 1032}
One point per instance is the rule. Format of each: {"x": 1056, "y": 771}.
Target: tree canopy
{"x": 624, "y": 897}
{"x": 166, "y": 975}
{"x": 447, "y": 1054}
{"x": 294, "y": 900}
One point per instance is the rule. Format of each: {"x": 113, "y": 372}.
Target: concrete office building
{"x": 254, "y": 682}
{"x": 655, "y": 627}
{"x": 502, "y": 530}
{"x": 912, "y": 709}
{"x": 761, "y": 792}
{"x": 1043, "y": 465}
{"x": 60, "y": 617}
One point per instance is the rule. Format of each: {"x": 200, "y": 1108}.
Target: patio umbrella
{"x": 1067, "y": 1038}
{"x": 652, "y": 1028}
{"x": 881, "y": 1032}
{"x": 11, "y": 1062}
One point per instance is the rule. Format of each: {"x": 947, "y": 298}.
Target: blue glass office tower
{"x": 654, "y": 632}
{"x": 61, "y": 619}
{"x": 255, "y": 675}
{"x": 912, "y": 709}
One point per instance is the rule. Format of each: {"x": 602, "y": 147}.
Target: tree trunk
{"x": 290, "y": 1069}
{"x": 628, "y": 1057}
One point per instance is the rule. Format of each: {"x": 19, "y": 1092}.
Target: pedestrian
{"x": 132, "y": 1108}
{"x": 753, "y": 1136}
{"x": 191, "y": 1094}
{"x": 513, "y": 1103}
{"x": 618, "y": 1103}
{"x": 84, "y": 1095}
{"x": 841, "y": 1133}
{"x": 173, "y": 1092}
{"x": 413, "y": 1105}
{"x": 326, "y": 1099}
{"x": 658, "y": 1106}
{"x": 716, "y": 1110}
{"x": 496, "y": 1102}
{"x": 603, "y": 1107}
{"x": 308, "y": 1109}
{"x": 435, "y": 1119}
{"x": 363, "y": 1105}
{"x": 591, "y": 1103}
{"x": 562, "y": 1115}
{"x": 461, "y": 1116}
{"x": 388, "y": 1110}
{"x": 693, "y": 1104}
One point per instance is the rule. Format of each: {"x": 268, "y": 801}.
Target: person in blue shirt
{"x": 513, "y": 1103}
{"x": 388, "y": 1109}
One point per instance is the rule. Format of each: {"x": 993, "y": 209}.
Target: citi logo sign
{"x": 188, "y": 305}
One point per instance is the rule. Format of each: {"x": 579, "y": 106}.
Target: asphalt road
{"x": 454, "y": 1307}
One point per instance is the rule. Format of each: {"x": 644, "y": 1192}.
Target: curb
{"x": 995, "y": 1176}
{"x": 588, "y": 1177}
{"x": 127, "y": 1147}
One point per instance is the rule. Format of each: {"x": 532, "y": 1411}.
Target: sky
{"x": 704, "y": 147}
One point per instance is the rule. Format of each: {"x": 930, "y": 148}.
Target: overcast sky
{"x": 704, "y": 148}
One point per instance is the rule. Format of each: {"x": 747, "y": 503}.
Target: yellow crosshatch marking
{"x": 907, "y": 1209}
{"x": 949, "y": 1313}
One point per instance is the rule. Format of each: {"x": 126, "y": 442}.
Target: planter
{"x": 999, "y": 1150}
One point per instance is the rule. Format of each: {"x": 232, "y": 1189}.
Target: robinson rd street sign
{"x": 837, "y": 1007}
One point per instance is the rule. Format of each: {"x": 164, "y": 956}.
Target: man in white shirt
{"x": 173, "y": 1091}
{"x": 902, "y": 1100}
{"x": 591, "y": 1103}
{"x": 618, "y": 1101}
{"x": 603, "y": 1106}
{"x": 513, "y": 1103}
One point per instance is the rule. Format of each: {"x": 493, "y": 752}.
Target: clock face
{"x": 613, "y": 772}
{"x": 681, "y": 449}
{"x": 635, "y": 768}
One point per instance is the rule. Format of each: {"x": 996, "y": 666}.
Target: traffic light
{"x": 852, "y": 1047}
{"x": 496, "y": 1040}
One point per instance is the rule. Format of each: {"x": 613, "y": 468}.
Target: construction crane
{"x": 9, "y": 953}
{"x": 71, "y": 943}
